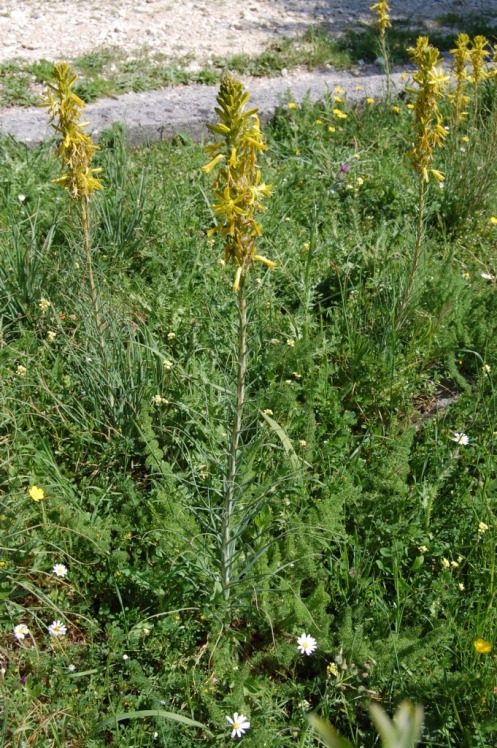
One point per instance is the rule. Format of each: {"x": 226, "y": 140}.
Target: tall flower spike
{"x": 76, "y": 149}
{"x": 431, "y": 82}
{"x": 382, "y": 10}
{"x": 478, "y": 54}
{"x": 461, "y": 57}
{"x": 238, "y": 189}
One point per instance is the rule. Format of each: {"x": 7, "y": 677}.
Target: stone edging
{"x": 159, "y": 115}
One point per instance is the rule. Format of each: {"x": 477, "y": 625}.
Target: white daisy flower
{"x": 306, "y": 644}
{"x": 59, "y": 570}
{"x": 21, "y": 631}
{"x": 239, "y": 724}
{"x": 460, "y": 438}
{"x": 57, "y": 628}
{"x": 71, "y": 668}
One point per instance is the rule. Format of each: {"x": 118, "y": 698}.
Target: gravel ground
{"x": 64, "y": 29}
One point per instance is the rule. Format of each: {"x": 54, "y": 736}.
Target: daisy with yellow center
{"x": 306, "y": 644}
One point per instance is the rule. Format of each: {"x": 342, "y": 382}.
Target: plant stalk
{"x": 85, "y": 222}
{"x": 418, "y": 249}
{"x": 228, "y": 542}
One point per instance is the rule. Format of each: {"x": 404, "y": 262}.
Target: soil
{"x": 64, "y": 29}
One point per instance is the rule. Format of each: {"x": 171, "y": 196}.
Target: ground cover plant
{"x": 154, "y": 590}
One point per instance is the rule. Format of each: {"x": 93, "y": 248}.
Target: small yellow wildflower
{"x": 44, "y": 305}
{"x": 331, "y": 128}
{"x": 318, "y": 121}
{"x": 267, "y": 412}
{"x": 290, "y": 343}
{"x": 302, "y": 443}
{"x": 168, "y": 365}
{"x": 332, "y": 669}
{"x": 482, "y": 646}
{"x": 359, "y": 181}
{"x": 410, "y": 106}
{"x": 51, "y": 335}
{"x": 493, "y": 221}
{"x": 21, "y": 371}
{"x": 339, "y": 90}
{"x": 423, "y": 549}
{"x": 36, "y": 493}
{"x": 370, "y": 100}
{"x": 482, "y": 528}
{"x": 359, "y": 88}
{"x": 445, "y": 563}
{"x": 465, "y": 139}
{"x": 292, "y": 105}
{"x": 461, "y": 587}
{"x": 171, "y": 335}
{"x": 338, "y": 113}
{"x": 438, "y": 175}
{"x": 338, "y": 99}
{"x": 396, "y": 109}
{"x": 403, "y": 76}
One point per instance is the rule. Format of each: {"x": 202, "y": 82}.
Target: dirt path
{"x": 64, "y": 29}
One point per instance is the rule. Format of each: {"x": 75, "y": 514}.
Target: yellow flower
{"x": 338, "y": 99}
{"x": 21, "y": 371}
{"x": 370, "y": 100}
{"x": 332, "y": 669}
{"x": 493, "y": 220}
{"x": 482, "y": 528}
{"x": 338, "y": 113}
{"x": 403, "y": 76}
{"x": 396, "y": 109}
{"x": 482, "y": 646}
{"x": 410, "y": 106}
{"x": 465, "y": 139}
{"x": 36, "y": 493}
{"x": 339, "y": 90}
{"x": 445, "y": 563}
{"x": 44, "y": 305}
{"x": 318, "y": 121}
{"x": 292, "y": 105}
{"x": 423, "y": 549}
{"x": 331, "y": 128}
{"x": 359, "y": 88}
{"x": 438, "y": 175}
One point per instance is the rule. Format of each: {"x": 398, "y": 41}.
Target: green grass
{"x": 366, "y": 525}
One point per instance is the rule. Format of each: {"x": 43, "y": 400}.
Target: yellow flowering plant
{"x": 239, "y": 193}
{"x": 429, "y": 132}
{"x": 461, "y": 58}
{"x": 75, "y": 153}
{"x": 238, "y": 189}
{"x": 382, "y": 10}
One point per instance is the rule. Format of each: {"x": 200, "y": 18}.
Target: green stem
{"x": 85, "y": 222}
{"x": 228, "y": 541}
{"x": 386, "y": 63}
{"x": 418, "y": 249}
